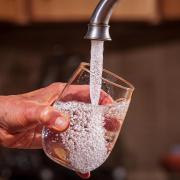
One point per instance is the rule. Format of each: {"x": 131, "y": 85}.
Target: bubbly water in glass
{"x": 93, "y": 131}
{"x": 96, "y": 67}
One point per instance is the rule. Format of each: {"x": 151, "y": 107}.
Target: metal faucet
{"x": 98, "y": 28}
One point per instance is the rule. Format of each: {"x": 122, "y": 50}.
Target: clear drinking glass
{"x": 94, "y": 129}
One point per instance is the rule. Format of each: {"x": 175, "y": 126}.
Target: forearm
{"x": 23, "y": 116}
{"x": 3, "y": 111}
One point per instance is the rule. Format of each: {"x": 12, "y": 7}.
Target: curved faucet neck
{"x": 98, "y": 28}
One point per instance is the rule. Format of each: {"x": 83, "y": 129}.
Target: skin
{"x": 23, "y": 116}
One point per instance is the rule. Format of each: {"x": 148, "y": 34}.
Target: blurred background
{"x": 41, "y": 41}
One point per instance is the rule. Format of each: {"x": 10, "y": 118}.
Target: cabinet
{"x": 62, "y": 10}
{"x": 137, "y": 10}
{"x": 24, "y": 11}
{"x": 171, "y": 9}
{"x": 14, "y": 11}
{"x": 79, "y": 10}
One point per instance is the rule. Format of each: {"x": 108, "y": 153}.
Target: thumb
{"x": 50, "y": 117}
{"x": 54, "y": 119}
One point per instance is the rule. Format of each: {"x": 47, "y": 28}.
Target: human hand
{"x": 23, "y": 116}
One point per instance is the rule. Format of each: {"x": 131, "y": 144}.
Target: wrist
{"x": 4, "y": 100}
{"x": 3, "y": 124}
{"x": 2, "y": 104}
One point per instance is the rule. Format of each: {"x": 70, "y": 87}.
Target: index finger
{"x": 82, "y": 93}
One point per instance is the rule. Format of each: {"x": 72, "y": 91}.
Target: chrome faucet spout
{"x": 98, "y": 28}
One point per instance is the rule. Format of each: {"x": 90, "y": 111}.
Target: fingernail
{"x": 85, "y": 175}
{"x": 61, "y": 123}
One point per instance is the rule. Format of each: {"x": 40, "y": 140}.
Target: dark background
{"x": 147, "y": 55}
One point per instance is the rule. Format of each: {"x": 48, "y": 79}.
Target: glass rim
{"x": 129, "y": 88}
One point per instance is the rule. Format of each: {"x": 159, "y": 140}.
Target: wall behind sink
{"x": 146, "y": 55}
